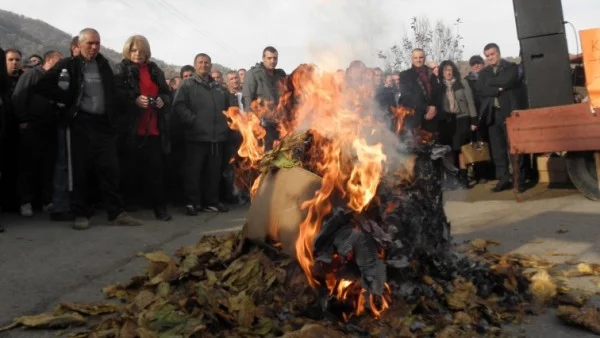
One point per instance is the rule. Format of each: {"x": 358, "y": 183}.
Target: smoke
{"x": 342, "y": 31}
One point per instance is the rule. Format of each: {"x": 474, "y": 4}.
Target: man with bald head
{"x": 420, "y": 91}
{"x": 91, "y": 106}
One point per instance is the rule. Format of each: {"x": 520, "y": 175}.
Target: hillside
{"x": 35, "y": 37}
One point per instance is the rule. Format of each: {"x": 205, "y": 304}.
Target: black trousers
{"x": 227, "y": 169}
{"x": 500, "y": 152}
{"x": 37, "y": 158}
{"x": 94, "y": 150}
{"x": 202, "y": 171}
{"x": 143, "y": 172}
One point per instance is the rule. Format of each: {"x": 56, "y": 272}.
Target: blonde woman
{"x": 144, "y": 126}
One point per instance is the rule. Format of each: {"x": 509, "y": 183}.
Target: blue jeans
{"x": 60, "y": 194}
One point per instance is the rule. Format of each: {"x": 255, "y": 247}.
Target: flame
{"x": 365, "y": 175}
{"x": 251, "y": 149}
{"x": 350, "y": 291}
{"x": 346, "y": 151}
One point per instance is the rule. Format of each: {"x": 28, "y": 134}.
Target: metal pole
{"x": 69, "y": 161}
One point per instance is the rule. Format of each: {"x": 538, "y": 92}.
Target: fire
{"x": 252, "y": 148}
{"x": 348, "y": 152}
{"x": 365, "y": 175}
{"x": 346, "y": 290}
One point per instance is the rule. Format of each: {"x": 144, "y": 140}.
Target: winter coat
{"x": 127, "y": 76}
{"x": 200, "y": 105}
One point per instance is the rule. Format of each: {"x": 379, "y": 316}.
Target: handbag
{"x": 476, "y": 151}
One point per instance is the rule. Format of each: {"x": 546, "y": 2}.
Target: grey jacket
{"x": 258, "y": 84}
{"x": 464, "y": 99}
{"x": 200, "y": 105}
{"x": 29, "y": 106}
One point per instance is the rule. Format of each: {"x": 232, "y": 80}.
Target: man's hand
{"x": 142, "y": 101}
{"x": 431, "y": 112}
{"x": 159, "y": 103}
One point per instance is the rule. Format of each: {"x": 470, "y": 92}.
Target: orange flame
{"x": 350, "y": 291}
{"x": 343, "y": 121}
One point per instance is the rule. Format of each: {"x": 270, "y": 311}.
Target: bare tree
{"x": 440, "y": 41}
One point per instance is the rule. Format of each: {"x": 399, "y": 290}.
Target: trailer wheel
{"x": 581, "y": 167}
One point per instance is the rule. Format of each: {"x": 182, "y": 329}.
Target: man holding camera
{"x": 85, "y": 86}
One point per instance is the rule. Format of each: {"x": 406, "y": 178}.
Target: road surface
{"x": 44, "y": 263}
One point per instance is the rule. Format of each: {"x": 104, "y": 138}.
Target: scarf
{"x": 424, "y": 76}
{"x": 450, "y": 104}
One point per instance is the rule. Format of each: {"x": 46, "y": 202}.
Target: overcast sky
{"x": 329, "y": 32}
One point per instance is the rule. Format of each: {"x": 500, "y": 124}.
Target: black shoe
{"x": 462, "y": 179}
{"x": 62, "y": 216}
{"x": 162, "y": 214}
{"x": 191, "y": 210}
{"x": 219, "y": 207}
{"x": 501, "y": 186}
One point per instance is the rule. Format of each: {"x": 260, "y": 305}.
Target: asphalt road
{"x": 44, "y": 263}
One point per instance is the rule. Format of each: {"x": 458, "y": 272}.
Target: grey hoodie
{"x": 259, "y": 84}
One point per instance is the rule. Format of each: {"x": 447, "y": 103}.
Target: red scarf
{"x": 149, "y": 119}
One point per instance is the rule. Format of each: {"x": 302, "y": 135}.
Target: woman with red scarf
{"x": 144, "y": 126}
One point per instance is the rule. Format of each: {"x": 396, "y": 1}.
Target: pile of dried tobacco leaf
{"x": 226, "y": 287}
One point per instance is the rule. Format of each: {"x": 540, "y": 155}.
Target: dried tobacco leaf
{"x": 245, "y": 308}
{"x": 90, "y": 309}
{"x": 165, "y": 317}
{"x": 462, "y": 295}
{"x": 481, "y": 245}
{"x": 574, "y": 298}
{"x": 116, "y": 291}
{"x": 542, "y": 287}
{"x": 158, "y": 256}
{"x": 166, "y": 273}
{"x": 47, "y": 321}
{"x": 314, "y": 330}
{"x": 588, "y": 318}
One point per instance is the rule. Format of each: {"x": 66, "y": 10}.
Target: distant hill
{"x": 36, "y": 37}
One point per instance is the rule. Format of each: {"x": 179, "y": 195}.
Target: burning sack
{"x": 346, "y": 243}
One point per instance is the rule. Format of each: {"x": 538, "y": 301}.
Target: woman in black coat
{"x": 144, "y": 126}
{"x": 459, "y": 116}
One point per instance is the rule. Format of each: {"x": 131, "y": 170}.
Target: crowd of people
{"x": 77, "y": 132}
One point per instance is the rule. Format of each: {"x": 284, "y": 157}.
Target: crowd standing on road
{"x": 77, "y": 132}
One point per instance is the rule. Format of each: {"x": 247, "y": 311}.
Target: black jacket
{"x": 48, "y": 87}
{"x": 472, "y": 80}
{"x": 3, "y": 93}
{"x": 127, "y": 76}
{"x": 489, "y": 84}
{"x": 414, "y": 95}
{"x": 31, "y": 107}
{"x": 200, "y": 105}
